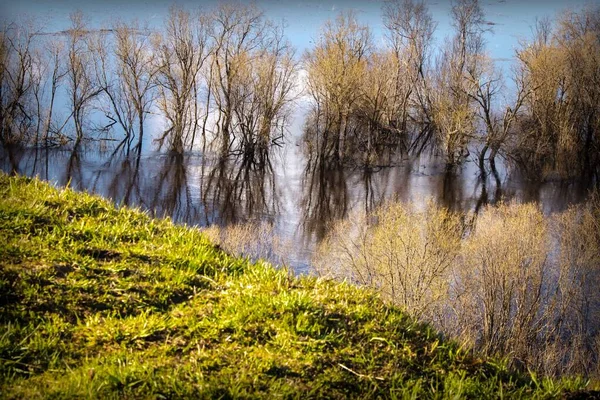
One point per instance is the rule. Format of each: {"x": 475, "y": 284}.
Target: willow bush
{"x": 513, "y": 283}
{"x": 405, "y": 253}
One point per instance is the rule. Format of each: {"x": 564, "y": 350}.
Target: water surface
{"x": 295, "y": 191}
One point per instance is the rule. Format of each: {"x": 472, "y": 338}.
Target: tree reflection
{"x": 124, "y": 166}
{"x": 11, "y": 158}
{"x": 171, "y": 188}
{"x": 325, "y": 196}
{"x": 73, "y": 172}
{"x": 452, "y": 194}
{"x": 374, "y": 184}
{"x": 239, "y": 188}
{"x": 484, "y": 196}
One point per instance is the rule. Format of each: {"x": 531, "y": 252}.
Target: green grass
{"x": 100, "y": 302}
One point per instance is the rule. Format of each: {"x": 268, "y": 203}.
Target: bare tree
{"x": 579, "y": 36}
{"x": 560, "y": 69}
{"x": 503, "y": 285}
{"x": 410, "y": 30}
{"x": 82, "y": 85}
{"x": 335, "y": 69}
{"x": 407, "y": 254}
{"x": 17, "y": 81}
{"x": 55, "y": 55}
{"x": 458, "y": 67}
{"x": 127, "y": 77}
{"x": 180, "y": 54}
{"x": 377, "y": 111}
{"x": 577, "y": 232}
{"x": 264, "y": 92}
{"x": 487, "y": 85}
{"x": 237, "y": 33}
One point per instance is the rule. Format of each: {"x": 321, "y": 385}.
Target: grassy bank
{"x": 102, "y": 302}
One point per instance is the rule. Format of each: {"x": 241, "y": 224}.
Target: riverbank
{"x": 105, "y": 302}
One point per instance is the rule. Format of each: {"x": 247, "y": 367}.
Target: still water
{"x": 295, "y": 192}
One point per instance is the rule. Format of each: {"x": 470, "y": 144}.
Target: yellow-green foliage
{"x": 98, "y": 302}
{"x": 577, "y": 232}
{"x": 502, "y": 284}
{"x": 516, "y": 283}
{"x": 406, "y": 254}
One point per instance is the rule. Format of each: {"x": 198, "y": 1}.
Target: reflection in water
{"x": 73, "y": 170}
{"x": 299, "y": 193}
{"x": 237, "y": 190}
{"x": 125, "y": 183}
{"x": 484, "y": 196}
{"x": 11, "y": 158}
{"x": 189, "y": 189}
{"x": 173, "y": 193}
{"x": 452, "y": 192}
{"x": 375, "y": 182}
{"x": 325, "y": 195}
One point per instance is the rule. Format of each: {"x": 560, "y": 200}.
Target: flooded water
{"x": 297, "y": 193}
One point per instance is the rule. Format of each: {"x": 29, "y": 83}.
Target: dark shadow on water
{"x": 325, "y": 195}
{"x": 12, "y": 156}
{"x": 239, "y": 188}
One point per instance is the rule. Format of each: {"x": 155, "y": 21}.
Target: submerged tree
{"x": 335, "y": 69}
{"x": 410, "y": 28}
{"x": 458, "y": 67}
{"x": 17, "y": 83}
{"x": 236, "y": 33}
{"x": 498, "y": 125}
{"x": 126, "y": 75}
{"x": 82, "y": 85}
{"x": 560, "y": 69}
{"x": 55, "y": 54}
{"x": 375, "y": 115}
{"x": 180, "y": 54}
{"x": 252, "y": 77}
{"x": 272, "y": 81}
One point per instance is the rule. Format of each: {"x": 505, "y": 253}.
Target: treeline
{"x": 227, "y": 74}
{"x": 512, "y": 282}
{"x": 454, "y": 99}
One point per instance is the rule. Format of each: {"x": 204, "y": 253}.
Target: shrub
{"x": 404, "y": 252}
{"x": 517, "y": 284}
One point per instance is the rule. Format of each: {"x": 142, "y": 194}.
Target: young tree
{"x": 503, "y": 286}
{"x": 180, "y": 55}
{"x": 459, "y": 65}
{"x": 405, "y": 253}
{"x": 55, "y": 56}
{"x": 335, "y": 68}
{"x": 410, "y": 28}
{"x": 80, "y": 66}
{"x": 577, "y": 232}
